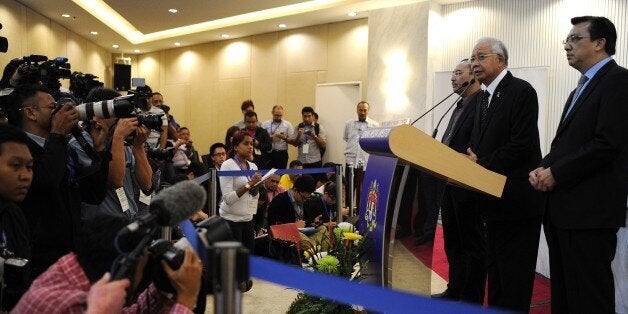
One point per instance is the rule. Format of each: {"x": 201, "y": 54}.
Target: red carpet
{"x": 438, "y": 262}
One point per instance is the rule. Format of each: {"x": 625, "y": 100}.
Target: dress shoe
{"x": 446, "y": 295}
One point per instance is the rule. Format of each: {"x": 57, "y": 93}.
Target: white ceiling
{"x": 151, "y": 16}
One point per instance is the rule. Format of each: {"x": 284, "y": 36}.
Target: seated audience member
{"x": 327, "y": 177}
{"x": 16, "y": 175}
{"x": 287, "y": 207}
{"x": 229, "y": 137}
{"x": 184, "y": 151}
{"x": 287, "y": 180}
{"x": 272, "y": 186}
{"x": 79, "y": 281}
{"x": 218, "y": 152}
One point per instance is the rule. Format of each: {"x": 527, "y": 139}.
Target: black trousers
{"x": 244, "y": 231}
{"x": 465, "y": 244}
{"x": 278, "y": 159}
{"x": 512, "y": 250}
{"x": 580, "y": 269}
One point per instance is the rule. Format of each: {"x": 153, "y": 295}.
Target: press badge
{"x": 305, "y": 148}
{"x": 252, "y": 205}
{"x": 124, "y": 202}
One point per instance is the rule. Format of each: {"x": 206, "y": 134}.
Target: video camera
{"x": 4, "y": 43}
{"x": 81, "y": 84}
{"x": 14, "y": 277}
{"x": 37, "y": 68}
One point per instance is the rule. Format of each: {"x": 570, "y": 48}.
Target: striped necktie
{"x": 583, "y": 79}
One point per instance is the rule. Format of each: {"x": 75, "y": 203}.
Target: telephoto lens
{"x": 151, "y": 121}
{"x": 163, "y": 154}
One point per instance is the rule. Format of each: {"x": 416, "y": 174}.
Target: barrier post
{"x": 350, "y": 189}
{"x": 227, "y": 296}
{"x": 166, "y": 233}
{"x": 338, "y": 193}
{"x": 213, "y": 179}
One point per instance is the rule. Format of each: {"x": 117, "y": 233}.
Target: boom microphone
{"x": 465, "y": 84}
{"x": 170, "y": 207}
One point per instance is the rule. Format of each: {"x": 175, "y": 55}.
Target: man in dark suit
{"x": 585, "y": 173}
{"x": 505, "y": 139}
{"x": 462, "y": 226}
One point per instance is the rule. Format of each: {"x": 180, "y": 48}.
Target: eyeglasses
{"x": 572, "y": 39}
{"x": 220, "y": 154}
{"x": 481, "y": 57}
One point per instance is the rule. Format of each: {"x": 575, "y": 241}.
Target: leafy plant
{"x": 344, "y": 257}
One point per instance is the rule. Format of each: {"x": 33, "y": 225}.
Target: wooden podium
{"x": 383, "y": 186}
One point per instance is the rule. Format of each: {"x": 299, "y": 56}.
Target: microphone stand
{"x": 455, "y": 102}
{"x": 438, "y": 104}
{"x": 443, "y": 117}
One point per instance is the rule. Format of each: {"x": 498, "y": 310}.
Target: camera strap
{"x": 88, "y": 149}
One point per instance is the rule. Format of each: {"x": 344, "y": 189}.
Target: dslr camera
{"x": 14, "y": 278}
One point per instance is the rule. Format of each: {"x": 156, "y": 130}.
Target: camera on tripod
{"x": 81, "y": 84}
{"x": 34, "y": 69}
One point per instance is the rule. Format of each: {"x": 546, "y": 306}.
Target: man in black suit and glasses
{"x": 585, "y": 174}
{"x": 505, "y": 139}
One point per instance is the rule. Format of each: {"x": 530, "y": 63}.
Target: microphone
{"x": 465, "y": 84}
{"x": 170, "y": 207}
{"x": 468, "y": 84}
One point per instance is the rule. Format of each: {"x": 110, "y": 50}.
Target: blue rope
{"x": 373, "y": 298}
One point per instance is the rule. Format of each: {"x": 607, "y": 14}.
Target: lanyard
{"x": 239, "y": 162}
{"x": 298, "y": 210}
{"x": 327, "y": 210}
{"x": 276, "y": 127}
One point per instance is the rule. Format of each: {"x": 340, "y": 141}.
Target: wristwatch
{"x": 247, "y": 186}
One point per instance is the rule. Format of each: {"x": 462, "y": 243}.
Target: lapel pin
{"x": 497, "y": 94}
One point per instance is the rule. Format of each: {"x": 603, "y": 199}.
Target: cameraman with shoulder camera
{"x": 80, "y": 282}
{"x": 52, "y": 205}
{"x": 129, "y": 165}
{"x": 16, "y": 175}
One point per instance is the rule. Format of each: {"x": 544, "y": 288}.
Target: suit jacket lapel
{"x": 583, "y": 96}
{"x": 465, "y": 112}
{"x": 496, "y": 100}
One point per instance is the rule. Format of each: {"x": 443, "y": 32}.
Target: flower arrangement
{"x": 346, "y": 248}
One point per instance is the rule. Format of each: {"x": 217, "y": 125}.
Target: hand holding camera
{"x": 64, "y": 119}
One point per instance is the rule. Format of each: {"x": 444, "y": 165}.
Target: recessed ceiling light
{"x": 177, "y": 44}
{"x": 136, "y": 51}
{"x": 224, "y": 36}
{"x": 115, "y": 46}
{"x": 66, "y": 15}
{"x": 282, "y": 25}
{"x": 173, "y": 11}
{"x": 352, "y": 14}
{"x": 93, "y": 33}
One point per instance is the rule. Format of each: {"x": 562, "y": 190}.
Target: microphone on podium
{"x": 468, "y": 84}
{"x": 463, "y": 86}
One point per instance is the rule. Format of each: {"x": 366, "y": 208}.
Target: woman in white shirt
{"x": 239, "y": 197}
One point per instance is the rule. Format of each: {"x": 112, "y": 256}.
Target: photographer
{"x": 129, "y": 165}
{"x": 155, "y": 138}
{"x": 16, "y": 175}
{"x": 52, "y": 205}
{"x": 79, "y": 282}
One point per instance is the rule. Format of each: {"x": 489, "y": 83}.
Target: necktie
{"x": 583, "y": 79}
{"x": 484, "y": 107}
